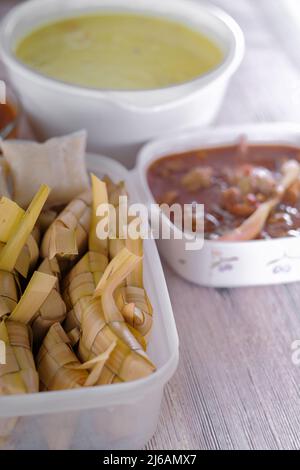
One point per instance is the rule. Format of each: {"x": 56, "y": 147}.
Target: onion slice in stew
{"x": 252, "y": 226}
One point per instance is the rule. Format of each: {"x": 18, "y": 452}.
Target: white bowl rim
{"x": 144, "y": 159}
{"x": 228, "y": 66}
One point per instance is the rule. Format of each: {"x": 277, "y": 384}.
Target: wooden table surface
{"x": 236, "y": 386}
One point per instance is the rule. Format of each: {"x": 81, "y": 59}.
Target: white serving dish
{"x": 119, "y": 416}
{"x": 118, "y": 122}
{"x": 226, "y": 264}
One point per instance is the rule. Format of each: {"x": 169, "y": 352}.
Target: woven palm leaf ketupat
{"x": 85, "y": 275}
{"x": 53, "y": 309}
{"x": 99, "y": 197}
{"x": 19, "y": 374}
{"x": 135, "y": 306}
{"x": 19, "y": 235}
{"x": 9, "y": 292}
{"x": 16, "y": 228}
{"x": 59, "y": 367}
{"x": 10, "y": 215}
{"x": 103, "y": 324}
{"x": 67, "y": 236}
{"x": 53, "y": 357}
{"x": 108, "y": 377}
{"x": 108, "y": 311}
{"x": 124, "y": 364}
{"x": 29, "y": 255}
{"x": 82, "y": 280}
{"x": 46, "y": 218}
{"x": 36, "y": 292}
{"x": 39, "y": 306}
{"x": 80, "y": 284}
{"x": 116, "y": 272}
{"x": 115, "y": 191}
{"x": 132, "y": 299}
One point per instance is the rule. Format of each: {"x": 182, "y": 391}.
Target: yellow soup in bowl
{"x": 119, "y": 51}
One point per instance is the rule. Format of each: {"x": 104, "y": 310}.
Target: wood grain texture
{"x": 236, "y": 386}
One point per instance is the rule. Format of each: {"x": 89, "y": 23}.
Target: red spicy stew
{"x": 233, "y": 182}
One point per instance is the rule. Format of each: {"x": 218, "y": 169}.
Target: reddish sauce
{"x": 7, "y": 116}
{"x": 231, "y": 182}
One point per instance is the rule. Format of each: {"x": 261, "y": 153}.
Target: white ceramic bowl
{"x": 226, "y": 264}
{"x": 118, "y": 122}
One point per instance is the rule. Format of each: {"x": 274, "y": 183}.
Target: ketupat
{"x": 124, "y": 364}
{"x": 88, "y": 278}
{"x": 100, "y": 296}
{"x": 16, "y": 227}
{"x": 115, "y": 191}
{"x": 67, "y": 236}
{"x": 29, "y": 255}
{"x": 102, "y": 324}
{"x": 36, "y": 292}
{"x": 59, "y": 367}
{"x": 53, "y": 357}
{"x": 116, "y": 272}
{"x": 18, "y": 375}
{"x": 81, "y": 283}
{"x": 10, "y": 216}
{"x": 46, "y": 218}
{"x": 53, "y": 309}
{"x": 19, "y": 236}
{"x": 83, "y": 278}
{"x": 132, "y": 299}
{"x": 15, "y": 327}
{"x": 128, "y": 361}
{"x": 9, "y": 292}
{"x": 135, "y": 306}
{"x": 112, "y": 348}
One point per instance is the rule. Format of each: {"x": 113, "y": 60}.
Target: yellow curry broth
{"x": 119, "y": 51}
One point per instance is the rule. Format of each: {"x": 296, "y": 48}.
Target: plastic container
{"x": 226, "y": 264}
{"x": 119, "y": 416}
